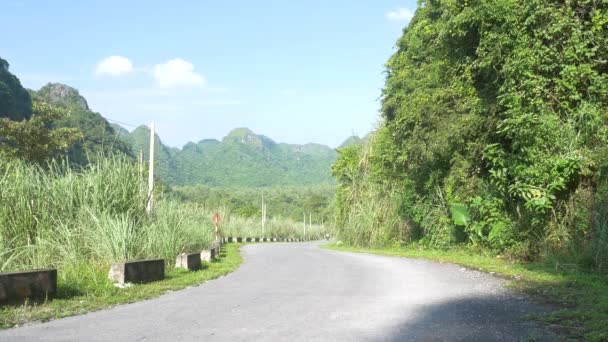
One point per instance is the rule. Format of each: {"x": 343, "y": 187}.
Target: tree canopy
{"x": 33, "y": 139}
{"x": 500, "y": 106}
{"x": 15, "y": 101}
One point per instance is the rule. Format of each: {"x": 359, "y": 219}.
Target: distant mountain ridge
{"x": 241, "y": 158}
{"x": 99, "y": 137}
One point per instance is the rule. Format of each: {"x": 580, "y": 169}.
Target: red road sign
{"x": 216, "y": 218}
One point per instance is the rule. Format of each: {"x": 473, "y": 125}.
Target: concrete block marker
{"x": 191, "y": 262}
{"x": 206, "y": 255}
{"x": 137, "y": 271}
{"x": 217, "y": 246}
{"x": 16, "y": 286}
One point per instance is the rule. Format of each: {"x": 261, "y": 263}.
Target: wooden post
{"x": 151, "y": 172}
{"x": 304, "y": 223}
{"x": 141, "y": 163}
{"x": 263, "y": 214}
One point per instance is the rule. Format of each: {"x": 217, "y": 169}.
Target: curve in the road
{"x": 299, "y": 292}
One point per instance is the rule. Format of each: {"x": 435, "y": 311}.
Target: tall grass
{"x": 233, "y": 225}
{"x": 54, "y": 216}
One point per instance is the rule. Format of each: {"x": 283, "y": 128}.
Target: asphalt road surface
{"x": 300, "y": 292}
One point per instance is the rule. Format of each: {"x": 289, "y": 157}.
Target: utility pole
{"x": 310, "y": 221}
{"x": 304, "y": 223}
{"x": 151, "y": 172}
{"x": 141, "y": 163}
{"x": 263, "y": 214}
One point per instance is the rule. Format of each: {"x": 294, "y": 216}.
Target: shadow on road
{"x": 473, "y": 319}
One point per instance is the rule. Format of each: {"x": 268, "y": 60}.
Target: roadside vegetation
{"x": 55, "y": 216}
{"x": 493, "y": 140}
{"x": 74, "y": 300}
{"x": 290, "y": 202}
{"x": 82, "y": 218}
{"x": 274, "y": 227}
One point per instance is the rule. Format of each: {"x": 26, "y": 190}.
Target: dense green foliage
{"x": 55, "y": 216}
{"x": 61, "y": 217}
{"x": 281, "y": 202}
{"x": 139, "y": 142}
{"x": 33, "y": 139}
{"x": 241, "y": 159}
{"x": 98, "y": 137}
{"x": 497, "y": 109}
{"x": 15, "y": 102}
{"x": 354, "y": 140}
{"x": 350, "y": 141}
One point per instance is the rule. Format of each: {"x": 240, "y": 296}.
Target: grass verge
{"x": 580, "y": 299}
{"x": 101, "y": 293}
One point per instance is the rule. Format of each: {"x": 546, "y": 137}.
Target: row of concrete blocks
{"x": 144, "y": 271}
{"x": 41, "y": 284}
{"x": 240, "y": 239}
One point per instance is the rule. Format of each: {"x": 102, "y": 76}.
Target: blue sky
{"x": 298, "y": 72}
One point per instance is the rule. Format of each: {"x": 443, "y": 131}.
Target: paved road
{"x": 299, "y": 292}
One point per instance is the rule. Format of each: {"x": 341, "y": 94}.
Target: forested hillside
{"x": 315, "y": 201}
{"x": 98, "y": 137}
{"x": 15, "y": 101}
{"x": 241, "y": 159}
{"x": 493, "y": 133}
{"x": 226, "y": 173}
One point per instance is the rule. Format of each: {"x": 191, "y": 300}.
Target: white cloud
{"x": 175, "y": 73}
{"x": 114, "y": 66}
{"x": 400, "y": 14}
